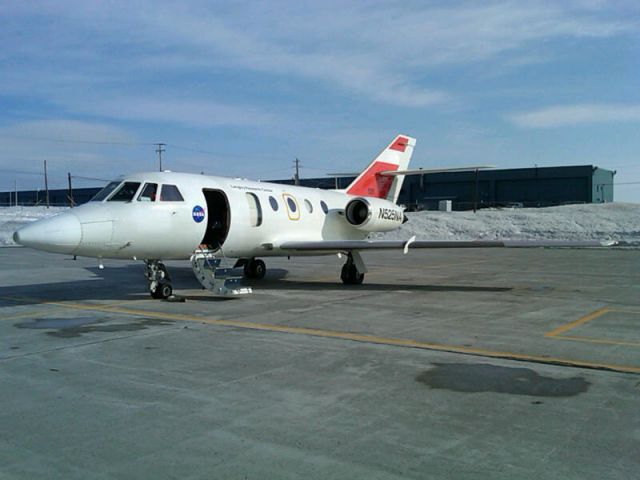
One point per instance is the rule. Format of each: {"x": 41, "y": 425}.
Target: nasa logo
{"x": 197, "y": 214}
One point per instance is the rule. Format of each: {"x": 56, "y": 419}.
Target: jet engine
{"x": 373, "y": 214}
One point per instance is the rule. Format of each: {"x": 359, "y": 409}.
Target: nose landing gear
{"x": 159, "y": 280}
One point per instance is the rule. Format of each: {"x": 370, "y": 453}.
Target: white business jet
{"x": 158, "y": 216}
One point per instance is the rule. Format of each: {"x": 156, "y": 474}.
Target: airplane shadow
{"x": 127, "y": 282}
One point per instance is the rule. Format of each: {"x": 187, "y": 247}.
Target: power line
{"x": 60, "y": 140}
{"x": 90, "y": 178}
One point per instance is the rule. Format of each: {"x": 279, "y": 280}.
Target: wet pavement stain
{"x": 481, "y": 377}
{"x": 76, "y": 327}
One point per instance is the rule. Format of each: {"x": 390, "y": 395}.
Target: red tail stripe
{"x": 371, "y": 183}
{"x": 400, "y": 144}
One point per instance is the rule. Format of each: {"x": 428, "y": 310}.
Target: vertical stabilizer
{"x": 370, "y": 183}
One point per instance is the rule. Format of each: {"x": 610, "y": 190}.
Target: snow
{"x": 608, "y": 221}
{"x": 12, "y": 218}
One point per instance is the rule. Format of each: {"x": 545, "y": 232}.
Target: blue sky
{"x": 242, "y": 89}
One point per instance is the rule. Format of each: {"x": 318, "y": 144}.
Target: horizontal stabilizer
{"x": 422, "y": 171}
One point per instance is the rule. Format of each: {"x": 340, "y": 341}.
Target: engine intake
{"x": 357, "y": 212}
{"x": 373, "y": 214}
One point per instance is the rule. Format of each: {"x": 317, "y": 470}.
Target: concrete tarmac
{"x": 481, "y": 363}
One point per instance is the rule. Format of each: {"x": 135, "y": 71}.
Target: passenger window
{"x": 324, "y": 207}
{"x": 291, "y": 206}
{"x": 104, "y": 193}
{"x": 274, "y": 204}
{"x": 148, "y": 193}
{"x": 255, "y": 210}
{"x": 126, "y": 192}
{"x": 308, "y": 205}
{"x": 170, "y": 193}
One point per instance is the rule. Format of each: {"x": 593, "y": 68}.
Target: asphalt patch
{"x": 482, "y": 377}
{"x": 78, "y": 326}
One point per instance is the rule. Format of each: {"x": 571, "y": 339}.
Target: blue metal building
{"x": 526, "y": 187}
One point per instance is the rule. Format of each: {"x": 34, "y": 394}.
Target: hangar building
{"x": 526, "y": 187}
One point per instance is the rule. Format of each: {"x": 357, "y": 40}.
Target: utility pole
{"x": 70, "y": 193}
{"x": 475, "y": 193}
{"x": 15, "y": 184}
{"x": 296, "y": 177}
{"x": 159, "y": 151}
{"x": 46, "y": 183}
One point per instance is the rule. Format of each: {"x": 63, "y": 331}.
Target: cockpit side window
{"x": 148, "y": 193}
{"x": 126, "y": 192}
{"x": 105, "y": 192}
{"x": 170, "y": 193}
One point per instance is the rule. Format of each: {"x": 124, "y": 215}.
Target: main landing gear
{"x": 353, "y": 270}
{"x": 255, "y": 269}
{"x": 159, "y": 280}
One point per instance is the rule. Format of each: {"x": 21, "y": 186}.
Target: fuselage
{"x": 240, "y": 218}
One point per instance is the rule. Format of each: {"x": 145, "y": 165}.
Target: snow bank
{"x": 615, "y": 221}
{"x": 12, "y": 218}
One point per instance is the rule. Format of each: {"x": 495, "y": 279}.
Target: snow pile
{"x": 615, "y": 221}
{"x": 12, "y": 218}
{"x": 609, "y": 221}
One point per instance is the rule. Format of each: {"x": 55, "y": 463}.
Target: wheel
{"x": 255, "y": 269}
{"x": 162, "y": 290}
{"x": 344, "y": 275}
{"x": 155, "y": 292}
{"x": 259, "y": 269}
{"x": 165, "y": 290}
{"x": 350, "y": 275}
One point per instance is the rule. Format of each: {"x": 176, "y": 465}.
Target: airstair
{"x": 218, "y": 280}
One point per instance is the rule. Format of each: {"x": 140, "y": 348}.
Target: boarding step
{"x": 219, "y": 281}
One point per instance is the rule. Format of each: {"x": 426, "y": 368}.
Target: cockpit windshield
{"x": 105, "y": 192}
{"x": 126, "y": 192}
{"x": 148, "y": 193}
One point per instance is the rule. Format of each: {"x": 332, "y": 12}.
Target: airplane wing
{"x": 351, "y": 245}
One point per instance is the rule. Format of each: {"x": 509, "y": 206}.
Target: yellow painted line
{"x": 622, "y": 310}
{"x": 23, "y": 315}
{"x": 355, "y": 337}
{"x": 575, "y": 323}
{"x": 604, "y": 341}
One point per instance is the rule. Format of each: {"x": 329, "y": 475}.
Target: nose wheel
{"x": 158, "y": 278}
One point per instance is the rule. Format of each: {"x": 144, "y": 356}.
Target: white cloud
{"x": 67, "y": 130}
{"x": 382, "y": 51}
{"x": 568, "y": 115}
{"x": 187, "y": 112}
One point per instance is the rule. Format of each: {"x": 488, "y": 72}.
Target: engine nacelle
{"x": 373, "y": 214}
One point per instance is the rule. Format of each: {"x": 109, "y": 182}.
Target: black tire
{"x": 255, "y": 269}
{"x": 165, "y": 290}
{"x": 344, "y": 274}
{"x": 350, "y": 275}
{"x": 259, "y": 269}
{"x": 155, "y": 293}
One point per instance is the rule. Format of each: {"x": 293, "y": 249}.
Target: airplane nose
{"x": 59, "y": 234}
